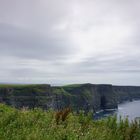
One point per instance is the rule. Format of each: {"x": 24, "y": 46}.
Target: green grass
{"x": 42, "y": 125}
{"x": 73, "y": 86}
{"x": 21, "y": 85}
{"x": 60, "y": 91}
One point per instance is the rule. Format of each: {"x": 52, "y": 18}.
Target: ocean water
{"x": 131, "y": 110}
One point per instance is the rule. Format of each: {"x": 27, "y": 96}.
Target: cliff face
{"x": 92, "y": 97}
{"x": 79, "y": 97}
{"x": 126, "y": 93}
{"x": 26, "y": 95}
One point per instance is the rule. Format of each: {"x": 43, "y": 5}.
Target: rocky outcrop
{"x": 79, "y": 96}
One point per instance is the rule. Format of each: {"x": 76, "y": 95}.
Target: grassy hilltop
{"x": 63, "y": 125}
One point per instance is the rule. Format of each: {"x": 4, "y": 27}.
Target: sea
{"x": 130, "y": 110}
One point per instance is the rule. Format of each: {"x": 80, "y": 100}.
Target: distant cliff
{"x": 92, "y": 97}
{"x": 127, "y": 93}
{"x": 26, "y": 95}
{"x": 78, "y": 96}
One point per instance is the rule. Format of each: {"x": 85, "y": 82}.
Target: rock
{"x": 88, "y": 97}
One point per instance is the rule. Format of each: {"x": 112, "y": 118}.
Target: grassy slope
{"x": 16, "y": 85}
{"x": 40, "y": 125}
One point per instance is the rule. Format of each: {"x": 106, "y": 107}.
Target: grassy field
{"x": 37, "y": 124}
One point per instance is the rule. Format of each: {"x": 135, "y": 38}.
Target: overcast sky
{"x": 70, "y": 41}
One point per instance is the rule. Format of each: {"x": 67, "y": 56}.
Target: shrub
{"x": 37, "y": 124}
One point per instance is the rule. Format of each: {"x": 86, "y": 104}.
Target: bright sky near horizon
{"x": 70, "y": 41}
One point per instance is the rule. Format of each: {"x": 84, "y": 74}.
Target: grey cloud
{"x": 25, "y": 44}
{"x": 37, "y": 42}
{"x": 103, "y": 64}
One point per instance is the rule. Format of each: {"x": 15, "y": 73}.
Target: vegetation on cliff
{"x": 37, "y": 124}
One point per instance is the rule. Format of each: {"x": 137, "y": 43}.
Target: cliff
{"x": 127, "y": 93}
{"x": 26, "y": 95}
{"x": 78, "y": 97}
{"x": 92, "y": 97}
